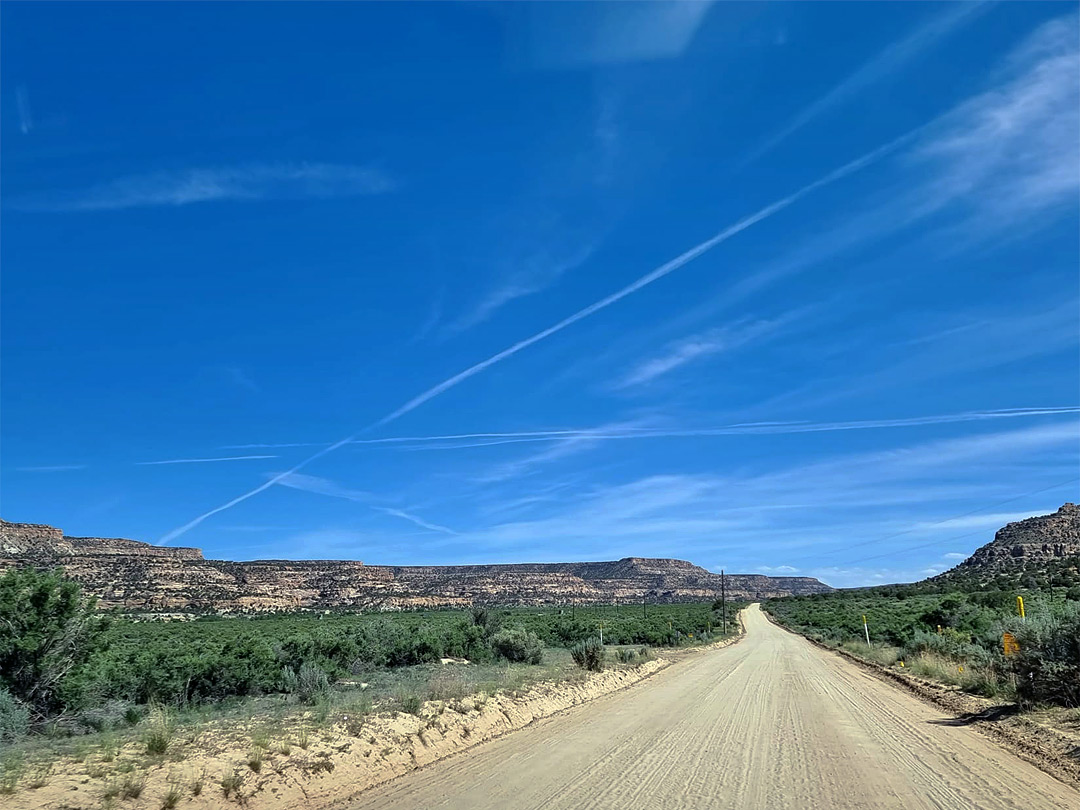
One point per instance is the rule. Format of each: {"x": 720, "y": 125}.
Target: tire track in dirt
{"x": 772, "y": 722}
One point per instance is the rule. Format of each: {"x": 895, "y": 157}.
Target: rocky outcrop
{"x": 32, "y": 540}
{"x": 138, "y": 576}
{"x": 1027, "y": 543}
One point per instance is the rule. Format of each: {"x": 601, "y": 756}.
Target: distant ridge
{"x": 139, "y": 576}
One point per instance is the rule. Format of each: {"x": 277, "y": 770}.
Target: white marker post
{"x": 866, "y": 629}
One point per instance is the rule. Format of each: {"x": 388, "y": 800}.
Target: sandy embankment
{"x": 340, "y": 760}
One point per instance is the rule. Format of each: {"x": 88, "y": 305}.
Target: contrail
{"x": 197, "y": 460}
{"x": 644, "y": 281}
{"x": 497, "y": 438}
{"x": 734, "y": 430}
{"x": 435, "y": 527}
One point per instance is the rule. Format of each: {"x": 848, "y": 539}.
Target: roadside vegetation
{"x": 68, "y": 670}
{"x": 955, "y": 637}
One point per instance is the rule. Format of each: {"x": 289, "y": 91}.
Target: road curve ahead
{"x": 767, "y": 724}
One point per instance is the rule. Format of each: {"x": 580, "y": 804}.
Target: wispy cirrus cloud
{"x": 200, "y": 460}
{"x": 535, "y": 267}
{"x": 986, "y": 521}
{"x": 575, "y": 35}
{"x": 1013, "y": 151}
{"x": 563, "y": 447}
{"x": 997, "y": 165}
{"x": 802, "y": 511}
{"x": 324, "y": 486}
{"x": 981, "y": 340}
{"x": 271, "y": 181}
{"x": 649, "y": 278}
{"x": 696, "y": 347}
{"x": 887, "y": 62}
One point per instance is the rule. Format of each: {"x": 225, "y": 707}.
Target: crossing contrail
{"x": 453, "y": 441}
{"x": 654, "y": 275}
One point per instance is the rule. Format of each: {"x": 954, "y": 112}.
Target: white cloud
{"x": 563, "y": 447}
{"x": 995, "y": 166}
{"x": 1014, "y": 151}
{"x": 649, "y": 278}
{"x": 576, "y": 35}
{"x": 955, "y": 555}
{"x": 887, "y": 62}
{"x": 777, "y": 569}
{"x": 990, "y": 521}
{"x": 535, "y": 268}
{"x": 252, "y": 182}
{"x": 324, "y": 486}
{"x": 705, "y": 344}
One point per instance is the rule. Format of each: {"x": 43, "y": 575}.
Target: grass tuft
{"x": 159, "y": 732}
{"x": 231, "y": 784}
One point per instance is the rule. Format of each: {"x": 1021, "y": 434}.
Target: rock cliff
{"x": 139, "y": 576}
{"x": 1030, "y": 544}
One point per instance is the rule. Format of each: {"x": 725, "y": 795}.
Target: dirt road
{"x": 770, "y": 723}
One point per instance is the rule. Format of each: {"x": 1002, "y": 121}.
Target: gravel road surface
{"x": 770, "y": 723}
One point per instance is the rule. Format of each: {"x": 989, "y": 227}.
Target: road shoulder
{"x": 1047, "y": 746}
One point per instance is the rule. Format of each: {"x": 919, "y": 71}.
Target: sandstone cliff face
{"x": 138, "y": 576}
{"x": 36, "y": 539}
{"x": 1031, "y": 541}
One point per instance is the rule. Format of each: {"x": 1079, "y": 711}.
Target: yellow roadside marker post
{"x": 1020, "y": 608}
{"x": 866, "y": 629}
{"x": 1009, "y": 645}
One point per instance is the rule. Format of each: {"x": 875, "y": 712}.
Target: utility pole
{"x": 643, "y": 605}
{"x": 723, "y": 599}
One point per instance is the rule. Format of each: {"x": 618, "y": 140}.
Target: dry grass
{"x": 159, "y": 732}
{"x": 231, "y": 784}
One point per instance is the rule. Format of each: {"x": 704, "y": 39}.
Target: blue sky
{"x": 769, "y": 287}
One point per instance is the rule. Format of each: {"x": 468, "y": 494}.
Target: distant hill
{"x": 1034, "y": 552}
{"x": 139, "y": 577}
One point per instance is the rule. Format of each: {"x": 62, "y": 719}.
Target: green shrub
{"x": 311, "y": 685}
{"x": 47, "y": 630}
{"x": 409, "y": 702}
{"x": 518, "y": 644}
{"x": 11, "y": 769}
{"x": 625, "y": 656}
{"x": 1047, "y": 667}
{"x": 14, "y": 717}
{"x": 589, "y": 654}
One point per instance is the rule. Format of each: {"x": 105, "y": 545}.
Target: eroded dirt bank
{"x": 316, "y": 767}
